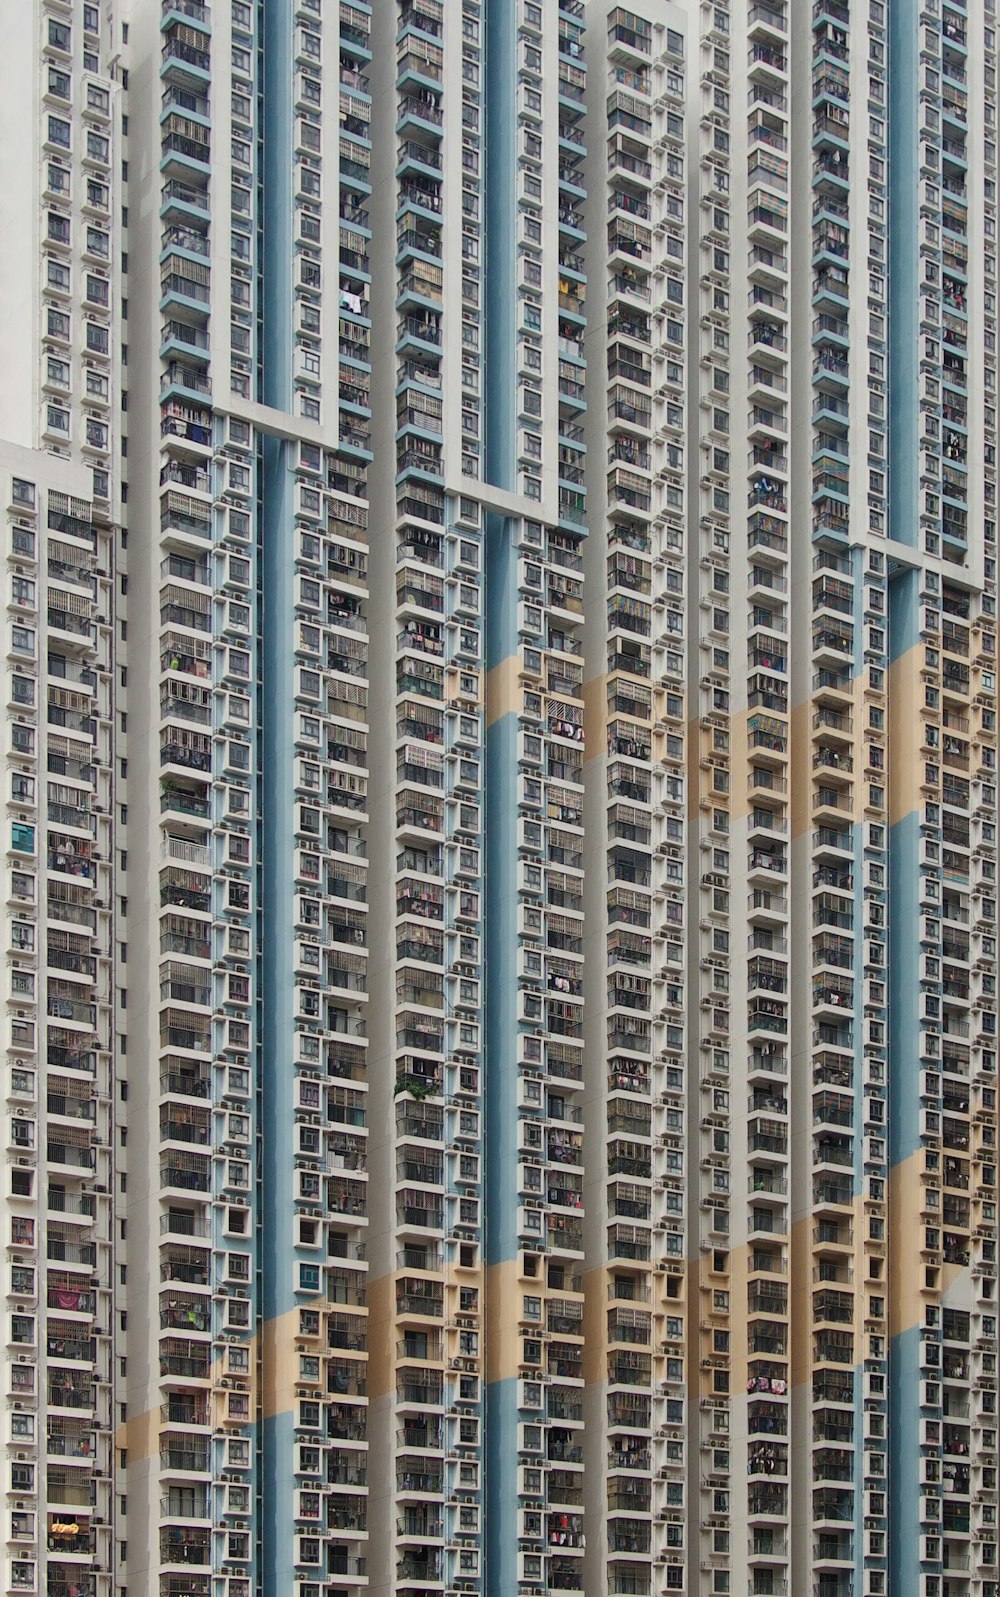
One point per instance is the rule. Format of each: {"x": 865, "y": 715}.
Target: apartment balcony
{"x": 182, "y": 517}
{"x": 70, "y": 1390}
{"x": 767, "y": 867}
{"x": 195, "y": 12}
{"x": 63, "y": 953}
{"x": 766, "y": 828}
{"x": 768, "y": 343}
{"x": 767, "y": 1502}
{"x": 69, "y": 1050}
{"x": 832, "y": 1194}
{"x": 767, "y": 910}
{"x": 768, "y": 267}
{"x": 186, "y": 1546}
{"x": 831, "y": 1109}
{"x": 184, "y": 1124}
{"x": 422, "y": 1303}
{"x": 419, "y": 155}
{"x": 831, "y": 286}
{"x": 70, "y": 624}
{"x": 419, "y": 112}
{"x": 183, "y": 156}
{"x": 831, "y": 993}
{"x": 184, "y": 65}
{"x": 183, "y": 339}
{"x": 73, "y": 1441}
{"x": 768, "y": 1459}
{"x": 955, "y": 150}
{"x": 768, "y": 1137}
{"x": 630, "y": 38}
{"x": 769, "y": 24}
{"x": 833, "y": 1308}
{"x": 184, "y": 1173}
{"x": 185, "y": 889}
{"x": 67, "y": 1342}
{"x": 416, "y": 1211}
{"x": 828, "y": 803}
{"x": 182, "y": 1266}
{"x": 182, "y": 805}
{"x": 955, "y": 108}
{"x": 419, "y": 1477}
{"x": 767, "y": 222}
{"x": 70, "y": 1150}
{"x": 59, "y": 1577}
{"x": 184, "y": 1456}
{"x": 66, "y": 1246}
{"x": 420, "y": 1570}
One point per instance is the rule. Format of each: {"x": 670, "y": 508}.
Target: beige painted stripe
{"x": 798, "y": 768}
{"x": 383, "y": 1360}
{"x": 905, "y": 762}
{"x": 504, "y": 1286}
{"x": 595, "y": 1325}
{"x": 504, "y": 693}
{"x": 381, "y": 1335}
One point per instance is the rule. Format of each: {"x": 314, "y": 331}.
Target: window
{"x": 58, "y": 179}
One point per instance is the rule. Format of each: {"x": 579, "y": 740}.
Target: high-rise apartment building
{"x": 61, "y": 446}
{"x": 500, "y": 755}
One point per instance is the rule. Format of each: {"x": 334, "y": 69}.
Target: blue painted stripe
{"x": 904, "y": 986}
{"x": 857, "y": 844}
{"x": 904, "y": 613}
{"x": 501, "y": 592}
{"x": 501, "y": 799}
{"x": 278, "y": 921}
{"x": 277, "y": 974}
{"x": 857, "y": 559}
{"x": 276, "y": 179}
{"x": 276, "y": 1519}
{"x": 903, "y": 274}
{"x": 501, "y": 777}
{"x": 903, "y": 1008}
{"x": 277, "y": 509}
{"x": 904, "y": 1434}
{"x": 501, "y": 1205}
{"x": 904, "y": 919}
{"x": 500, "y": 298}
{"x": 501, "y": 1517}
